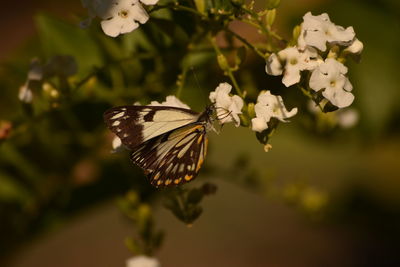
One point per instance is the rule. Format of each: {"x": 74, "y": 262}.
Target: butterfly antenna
{"x": 197, "y": 81}
{"x": 195, "y": 77}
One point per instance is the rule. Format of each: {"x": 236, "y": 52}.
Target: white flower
{"x": 142, "y": 261}
{"x": 35, "y": 73}
{"x": 118, "y": 16}
{"x": 35, "y": 70}
{"x": 347, "y": 118}
{"x": 291, "y": 62}
{"x": 228, "y": 107}
{"x": 269, "y": 106}
{"x": 356, "y": 47}
{"x": 330, "y": 77}
{"x": 273, "y": 66}
{"x": 316, "y": 31}
{"x": 123, "y": 17}
{"x": 25, "y": 94}
{"x": 170, "y": 101}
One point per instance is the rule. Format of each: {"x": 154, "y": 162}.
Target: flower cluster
{"x": 269, "y": 106}
{"x": 118, "y": 16}
{"x": 39, "y": 73}
{"x": 321, "y": 48}
{"x": 35, "y": 73}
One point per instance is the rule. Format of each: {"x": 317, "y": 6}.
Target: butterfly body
{"x": 168, "y": 143}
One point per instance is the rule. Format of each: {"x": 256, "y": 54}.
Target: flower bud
{"x": 223, "y": 62}
{"x": 270, "y": 18}
{"x": 25, "y": 94}
{"x": 244, "y": 120}
{"x": 250, "y": 110}
{"x": 296, "y": 32}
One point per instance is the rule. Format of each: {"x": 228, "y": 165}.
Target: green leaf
{"x": 200, "y": 6}
{"x": 137, "y": 39}
{"x": 133, "y": 245}
{"x": 61, "y": 38}
{"x": 193, "y": 214}
{"x": 11, "y": 190}
{"x": 172, "y": 30}
{"x": 173, "y": 205}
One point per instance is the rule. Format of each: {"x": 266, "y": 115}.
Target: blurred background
{"x": 323, "y": 196}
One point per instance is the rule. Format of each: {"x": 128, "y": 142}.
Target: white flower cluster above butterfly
{"x": 321, "y": 48}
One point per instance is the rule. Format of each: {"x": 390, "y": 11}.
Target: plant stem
{"x": 245, "y": 42}
{"x": 176, "y": 6}
{"x": 258, "y": 24}
{"x": 227, "y": 70}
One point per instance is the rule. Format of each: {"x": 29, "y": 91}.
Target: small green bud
{"x": 270, "y": 18}
{"x": 244, "y": 120}
{"x": 296, "y": 33}
{"x": 272, "y": 4}
{"x": 223, "y": 62}
{"x": 250, "y": 110}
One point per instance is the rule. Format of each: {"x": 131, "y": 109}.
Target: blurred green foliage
{"x": 55, "y": 160}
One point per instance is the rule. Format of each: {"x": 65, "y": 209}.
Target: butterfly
{"x": 168, "y": 143}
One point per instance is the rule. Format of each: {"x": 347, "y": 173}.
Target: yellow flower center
{"x": 123, "y": 14}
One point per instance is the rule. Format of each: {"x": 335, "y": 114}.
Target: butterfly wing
{"x": 135, "y": 125}
{"x": 175, "y": 157}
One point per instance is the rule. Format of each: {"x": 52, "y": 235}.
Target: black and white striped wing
{"x": 173, "y": 158}
{"x": 135, "y": 125}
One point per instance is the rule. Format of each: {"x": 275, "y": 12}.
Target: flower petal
{"x": 273, "y": 66}
{"x": 149, "y": 2}
{"x": 112, "y": 27}
{"x": 228, "y": 107}
{"x": 258, "y": 124}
